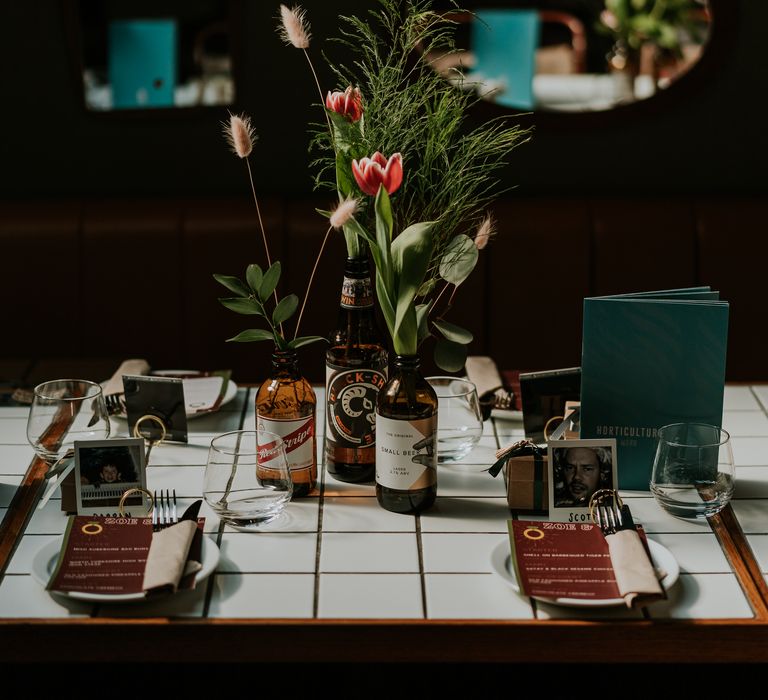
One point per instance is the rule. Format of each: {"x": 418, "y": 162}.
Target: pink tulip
{"x": 349, "y": 104}
{"x": 377, "y": 170}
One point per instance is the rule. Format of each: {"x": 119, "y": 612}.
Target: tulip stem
{"x": 311, "y": 279}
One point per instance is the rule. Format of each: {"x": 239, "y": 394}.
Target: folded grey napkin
{"x": 636, "y": 578}
{"x": 483, "y": 373}
{"x": 114, "y": 385}
{"x": 168, "y": 560}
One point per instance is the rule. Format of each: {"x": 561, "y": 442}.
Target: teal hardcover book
{"x": 648, "y": 360}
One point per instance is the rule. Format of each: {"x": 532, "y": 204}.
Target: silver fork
{"x": 115, "y": 404}
{"x": 164, "y": 514}
{"x": 607, "y": 511}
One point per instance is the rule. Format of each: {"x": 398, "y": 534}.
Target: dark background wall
{"x": 668, "y": 192}
{"x": 708, "y": 136}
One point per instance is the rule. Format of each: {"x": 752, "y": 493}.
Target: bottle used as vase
{"x": 406, "y": 439}
{"x": 356, "y": 369}
{"x": 285, "y": 405}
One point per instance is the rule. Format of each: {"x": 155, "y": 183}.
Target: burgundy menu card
{"x": 562, "y": 560}
{"x": 107, "y": 555}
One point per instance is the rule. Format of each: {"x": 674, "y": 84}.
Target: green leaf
{"x": 345, "y": 180}
{"x": 406, "y": 340}
{"x": 254, "y": 276}
{"x": 411, "y": 252}
{"x": 459, "y": 259}
{"x": 345, "y": 133}
{"x": 450, "y": 356}
{"x": 385, "y": 303}
{"x": 252, "y": 335}
{"x": 427, "y": 287}
{"x": 422, "y": 313}
{"x": 305, "y": 340}
{"x": 356, "y": 227}
{"x": 271, "y": 278}
{"x": 232, "y": 284}
{"x": 285, "y": 309}
{"x": 384, "y": 236}
{"x": 243, "y": 306}
{"x": 454, "y": 333}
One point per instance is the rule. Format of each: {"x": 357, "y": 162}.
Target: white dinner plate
{"x": 662, "y": 558}
{"x": 229, "y": 394}
{"x": 44, "y": 564}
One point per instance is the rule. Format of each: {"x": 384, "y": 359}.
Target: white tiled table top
{"x": 337, "y": 554}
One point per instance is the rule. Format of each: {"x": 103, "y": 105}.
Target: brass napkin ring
{"x": 124, "y": 498}
{"x": 153, "y": 419}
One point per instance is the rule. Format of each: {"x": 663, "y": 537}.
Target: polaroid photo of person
{"x": 576, "y": 470}
{"x": 104, "y": 471}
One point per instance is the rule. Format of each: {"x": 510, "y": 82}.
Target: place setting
{"x": 122, "y": 543}
{"x": 134, "y": 389}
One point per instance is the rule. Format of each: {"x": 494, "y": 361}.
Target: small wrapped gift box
{"x": 527, "y": 486}
{"x": 524, "y": 465}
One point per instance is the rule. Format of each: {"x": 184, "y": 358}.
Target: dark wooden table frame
{"x": 371, "y": 641}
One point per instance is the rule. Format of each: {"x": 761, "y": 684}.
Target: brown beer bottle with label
{"x": 406, "y": 439}
{"x": 285, "y": 405}
{"x": 356, "y": 367}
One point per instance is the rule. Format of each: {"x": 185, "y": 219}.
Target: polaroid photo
{"x": 162, "y": 397}
{"x": 576, "y": 470}
{"x": 104, "y": 471}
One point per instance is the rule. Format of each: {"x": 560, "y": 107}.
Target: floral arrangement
{"x": 396, "y": 141}
{"x": 421, "y": 210}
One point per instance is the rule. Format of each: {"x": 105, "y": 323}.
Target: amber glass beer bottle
{"x": 406, "y": 439}
{"x": 285, "y": 405}
{"x": 356, "y": 366}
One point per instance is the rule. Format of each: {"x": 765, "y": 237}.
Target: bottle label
{"x": 356, "y": 293}
{"x": 351, "y": 405}
{"x": 406, "y": 453}
{"x": 297, "y": 436}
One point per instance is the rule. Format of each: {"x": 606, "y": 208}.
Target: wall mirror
{"x": 575, "y": 55}
{"x": 154, "y": 54}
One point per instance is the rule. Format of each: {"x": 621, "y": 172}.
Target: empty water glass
{"x": 693, "y": 470}
{"x": 65, "y": 410}
{"x": 459, "y": 420}
{"x": 247, "y": 479}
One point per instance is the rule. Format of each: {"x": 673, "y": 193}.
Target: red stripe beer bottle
{"x": 285, "y": 405}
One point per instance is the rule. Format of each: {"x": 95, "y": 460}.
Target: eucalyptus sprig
{"x": 253, "y": 297}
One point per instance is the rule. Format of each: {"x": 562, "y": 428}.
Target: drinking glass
{"x": 247, "y": 478}
{"x": 693, "y": 470}
{"x": 459, "y": 420}
{"x": 65, "y": 410}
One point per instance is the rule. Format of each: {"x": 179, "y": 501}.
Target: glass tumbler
{"x": 247, "y": 479}
{"x": 459, "y": 420}
{"x": 693, "y": 470}
{"x": 65, "y": 410}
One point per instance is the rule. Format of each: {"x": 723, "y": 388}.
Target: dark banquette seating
{"x": 88, "y": 283}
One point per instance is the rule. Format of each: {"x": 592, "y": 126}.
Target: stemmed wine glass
{"x": 63, "y": 411}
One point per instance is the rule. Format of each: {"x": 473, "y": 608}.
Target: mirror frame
{"x": 73, "y": 33}
{"x": 721, "y": 40}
